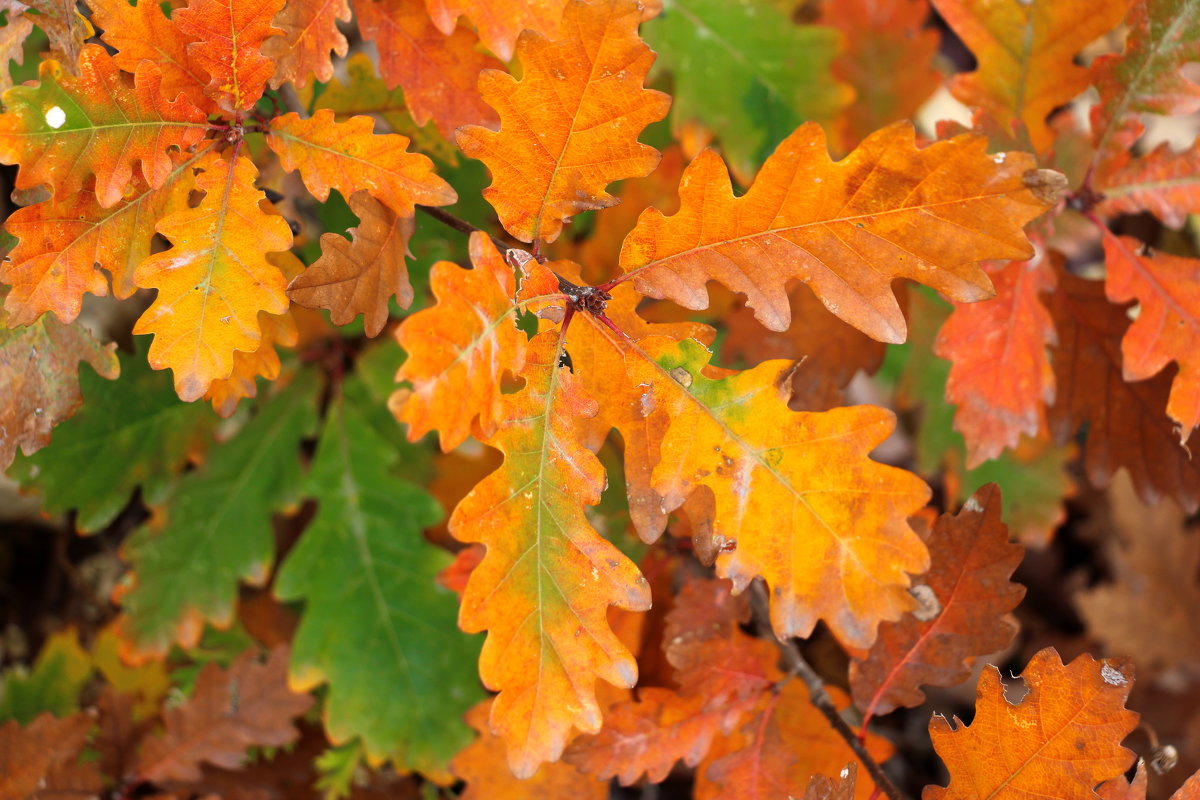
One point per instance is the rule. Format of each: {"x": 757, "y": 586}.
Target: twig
{"x": 460, "y": 225}
{"x": 820, "y": 698}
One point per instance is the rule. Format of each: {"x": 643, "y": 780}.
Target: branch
{"x": 820, "y": 698}
{"x": 461, "y": 225}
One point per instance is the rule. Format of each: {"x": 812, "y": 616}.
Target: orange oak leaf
{"x": 39, "y": 369}
{"x": 549, "y": 167}
{"x": 215, "y": 280}
{"x": 310, "y": 34}
{"x": 1148, "y": 608}
{"x": 824, "y": 525}
{"x": 888, "y": 60}
{"x": 439, "y": 72}
{"x": 1164, "y": 35}
{"x": 460, "y": 348}
{"x": 230, "y": 711}
{"x": 62, "y": 241}
{"x": 65, "y": 129}
{"x": 143, "y": 32}
{"x": 545, "y": 584}
{"x": 1167, "y": 327}
{"x": 499, "y": 22}
{"x": 228, "y": 37}
{"x": 780, "y": 749}
{"x": 846, "y": 228}
{"x": 1026, "y": 56}
{"x": 828, "y": 351}
{"x": 969, "y": 577}
{"x": 1121, "y": 789}
{"x": 483, "y": 766}
{"x": 1125, "y": 422}
{"x": 1000, "y": 373}
{"x": 359, "y": 275}
{"x": 29, "y": 754}
{"x": 1163, "y": 182}
{"x": 348, "y": 157}
{"x": 1064, "y": 737}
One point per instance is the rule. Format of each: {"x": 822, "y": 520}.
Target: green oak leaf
{"x": 58, "y": 676}
{"x": 215, "y": 530}
{"x": 130, "y": 432}
{"x": 376, "y": 625}
{"x": 746, "y": 72}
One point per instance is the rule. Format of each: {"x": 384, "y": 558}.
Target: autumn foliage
{"x": 738, "y": 386}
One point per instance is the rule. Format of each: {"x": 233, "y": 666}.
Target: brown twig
{"x": 460, "y": 225}
{"x": 797, "y": 666}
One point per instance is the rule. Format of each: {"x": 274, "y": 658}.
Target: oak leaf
{"x": 65, "y": 129}
{"x": 215, "y": 280}
{"x": 439, "y": 73}
{"x": 230, "y": 711}
{"x": 228, "y": 36}
{"x": 499, "y": 22}
{"x": 1164, "y": 35}
{"x": 12, "y": 43}
{"x": 1148, "y": 607}
{"x": 823, "y": 524}
{"x": 28, "y": 754}
{"x": 460, "y": 348}
{"x": 1121, "y": 789}
{"x": 39, "y": 369}
{"x": 143, "y": 32}
{"x": 482, "y": 765}
{"x": 54, "y": 684}
{"x": 248, "y": 367}
{"x": 1065, "y": 734}
{"x": 1026, "y": 56}
{"x": 847, "y": 229}
{"x": 348, "y": 157}
{"x": 544, "y": 587}
{"x": 1167, "y": 327}
{"x": 1000, "y": 373}
{"x": 747, "y": 73}
{"x": 888, "y": 61}
{"x": 310, "y": 33}
{"x": 547, "y": 169}
{"x": 360, "y": 275}
{"x": 970, "y": 579}
{"x": 63, "y": 239}
{"x": 66, "y": 28}
{"x": 1163, "y": 182}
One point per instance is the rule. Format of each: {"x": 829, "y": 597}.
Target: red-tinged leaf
{"x": 824, "y": 525}
{"x": 1026, "y": 56}
{"x": 499, "y": 22}
{"x": 777, "y": 753}
{"x": 650, "y": 734}
{"x": 888, "y": 60}
{"x": 103, "y": 126}
{"x": 549, "y": 167}
{"x": 361, "y": 274}
{"x": 310, "y": 34}
{"x": 230, "y": 711}
{"x": 1000, "y": 373}
{"x": 348, "y": 157}
{"x": 483, "y": 766}
{"x": 972, "y": 564}
{"x": 460, "y": 348}
{"x": 544, "y": 587}
{"x": 455, "y": 576}
{"x": 143, "y": 32}
{"x": 439, "y": 73}
{"x": 228, "y": 37}
{"x": 1125, "y": 422}
{"x": 1163, "y": 182}
{"x": 64, "y": 241}
{"x": 39, "y": 370}
{"x": 829, "y": 352}
{"x": 1061, "y": 740}
{"x": 215, "y": 280}
{"x": 30, "y": 754}
{"x": 1167, "y": 327}
{"x": 847, "y": 229}
{"x": 1164, "y": 35}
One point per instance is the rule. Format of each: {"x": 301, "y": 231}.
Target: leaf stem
{"x": 820, "y": 698}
